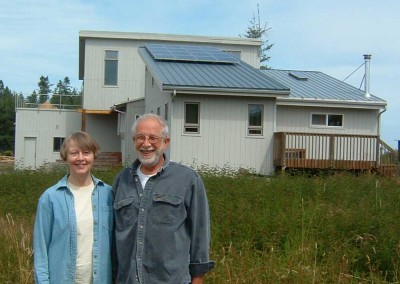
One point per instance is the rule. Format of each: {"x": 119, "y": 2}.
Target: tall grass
{"x": 284, "y": 229}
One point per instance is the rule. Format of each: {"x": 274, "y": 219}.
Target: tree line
{"x": 62, "y": 95}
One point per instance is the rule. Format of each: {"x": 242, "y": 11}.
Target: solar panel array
{"x": 189, "y": 53}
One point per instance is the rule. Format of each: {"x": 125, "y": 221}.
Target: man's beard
{"x": 151, "y": 161}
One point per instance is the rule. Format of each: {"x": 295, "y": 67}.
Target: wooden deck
{"x": 332, "y": 151}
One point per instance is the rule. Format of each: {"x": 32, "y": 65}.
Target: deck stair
{"x": 108, "y": 159}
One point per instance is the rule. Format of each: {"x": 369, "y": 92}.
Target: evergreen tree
{"x": 44, "y": 89}
{"x": 7, "y": 118}
{"x": 255, "y": 30}
{"x": 64, "y": 95}
{"x": 32, "y": 99}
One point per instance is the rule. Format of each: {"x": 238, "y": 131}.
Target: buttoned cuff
{"x": 196, "y": 269}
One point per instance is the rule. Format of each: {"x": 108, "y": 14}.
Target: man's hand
{"x": 197, "y": 279}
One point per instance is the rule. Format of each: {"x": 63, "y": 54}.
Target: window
{"x": 57, "y": 142}
{"x": 256, "y": 114}
{"x": 111, "y": 68}
{"x": 166, "y": 112}
{"x": 330, "y": 120}
{"x": 158, "y": 111}
{"x": 192, "y": 118}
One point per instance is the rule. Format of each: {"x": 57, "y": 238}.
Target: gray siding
{"x": 103, "y": 128}
{"x": 223, "y": 142}
{"x": 355, "y": 121}
{"x": 42, "y": 125}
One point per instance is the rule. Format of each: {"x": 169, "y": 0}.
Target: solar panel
{"x": 189, "y": 53}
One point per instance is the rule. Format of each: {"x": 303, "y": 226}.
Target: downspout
{"x": 377, "y": 160}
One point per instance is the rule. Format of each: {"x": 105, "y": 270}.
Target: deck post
{"x": 331, "y": 150}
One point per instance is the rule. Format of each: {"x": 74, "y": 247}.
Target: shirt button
{"x": 141, "y": 226}
{"x": 142, "y": 209}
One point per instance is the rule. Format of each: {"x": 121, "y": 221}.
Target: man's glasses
{"x": 152, "y": 138}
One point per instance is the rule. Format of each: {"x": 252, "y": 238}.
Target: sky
{"x": 39, "y": 37}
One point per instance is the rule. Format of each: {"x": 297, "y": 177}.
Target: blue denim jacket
{"x": 55, "y": 234}
{"x": 162, "y": 230}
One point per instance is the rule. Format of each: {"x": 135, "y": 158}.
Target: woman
{"x": 74, "y": 221}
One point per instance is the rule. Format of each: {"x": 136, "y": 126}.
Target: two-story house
{"x": 222, "y": 111}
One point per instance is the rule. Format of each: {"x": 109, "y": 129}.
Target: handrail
{"x": 336, "y": 151}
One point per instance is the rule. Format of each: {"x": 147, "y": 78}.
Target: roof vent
{"x": 298, "y": 75}
{"x": 367, "y": 58}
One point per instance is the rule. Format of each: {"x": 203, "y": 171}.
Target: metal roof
{"x": 233, "y": 77}
{"x": 319, "y": 86}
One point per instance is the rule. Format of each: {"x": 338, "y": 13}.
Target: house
{"x": 221, "y": 109}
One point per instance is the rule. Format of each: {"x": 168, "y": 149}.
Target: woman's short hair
{"x": 82, "y": 140}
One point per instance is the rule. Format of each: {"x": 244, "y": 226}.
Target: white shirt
{"x": 84, "y": 220}
{"x": 143, "y": 178}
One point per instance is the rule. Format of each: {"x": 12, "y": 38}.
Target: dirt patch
{"x": 6, "y": 164}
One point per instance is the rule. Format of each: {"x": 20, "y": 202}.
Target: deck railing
{"x": 335, "y": 151}
{"x": 63, "y": 102}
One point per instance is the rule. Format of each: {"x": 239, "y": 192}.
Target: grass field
{"x": 284, "y": 229}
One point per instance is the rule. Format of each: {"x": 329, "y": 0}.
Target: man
{"x": 162, "y": 231}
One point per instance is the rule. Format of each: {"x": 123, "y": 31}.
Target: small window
{"x": 166, "y": 112}
{"x": 192, "y": 118}
{"x": 329, "y": 120}
{"x": 57, "y": 142}
{"x": 255, "y": 126}
{"x": 158, "y": 111}
{"x": 111, "y": 68}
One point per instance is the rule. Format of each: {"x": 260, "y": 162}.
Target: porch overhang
{"x": 226, "y": 91}
{"x": 331, "y": 103}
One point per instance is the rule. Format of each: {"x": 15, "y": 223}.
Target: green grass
{"x": 285, "y": 229}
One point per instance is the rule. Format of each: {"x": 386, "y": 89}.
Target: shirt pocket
{"x": 167, "y": 210}
{"x": 125, "y": 212}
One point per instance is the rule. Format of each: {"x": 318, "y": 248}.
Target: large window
{"x": 192, "y": 118}
{"x": 326, "y": 119}
{"x": 57, "y": 142}
{"x": 111, "y": 68}
{"x": 256, "y": 118}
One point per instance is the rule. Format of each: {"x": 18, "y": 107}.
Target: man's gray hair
{"x": 163, "y": 123}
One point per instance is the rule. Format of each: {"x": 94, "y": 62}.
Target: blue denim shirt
{"x": 55, "y": 234}
{"x": 162, "y": 231}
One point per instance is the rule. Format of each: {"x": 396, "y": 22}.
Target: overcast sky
{"x": 40, "y": 37}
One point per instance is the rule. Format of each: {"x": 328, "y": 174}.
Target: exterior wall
{"x": 42, "y": 126}
{"x": 103, "y": 128}
{"x": 298, "y": 119}
{"x": 223, "y": 141}
{"x": 154, "y": 98}
{"x": 355, "y": 122}
{"x": 126, "y": 121}
{"x": 131, "y": 69}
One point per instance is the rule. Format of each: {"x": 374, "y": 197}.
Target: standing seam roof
{"x": 210, "y": 75}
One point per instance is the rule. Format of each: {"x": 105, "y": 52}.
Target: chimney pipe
{"x": 367, "y": 58}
